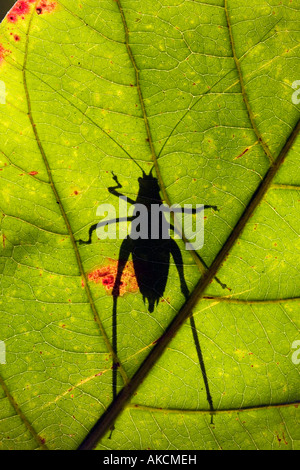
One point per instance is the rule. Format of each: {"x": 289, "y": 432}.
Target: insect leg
{"x": 215, "y": 208}
{"x": 112, "y": 189}
{"x": 202, "y": 365}
{"x": 224, "y": 286}
{"x": 201, "y": 259}
{"x": 175, "y": 230}
{"x": 188, "y": 210}
{"x": 196, "y": 211}
{"x": 125, "y": 251}
{"x": 100, "y": 224}
{"x": 89, "y": 241}
{"x": 176, "y": 253}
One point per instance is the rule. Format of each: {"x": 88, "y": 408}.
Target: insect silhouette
{"x": 151, "y": 260}
{"x": 151, "y": 257}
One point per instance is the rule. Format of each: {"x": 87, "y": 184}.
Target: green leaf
{"x": 204, "y": 92}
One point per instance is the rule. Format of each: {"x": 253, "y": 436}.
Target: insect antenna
{"x": 150, "y": 172}
{"x": 133, "y": 159}
{"x": 136, "y": 162}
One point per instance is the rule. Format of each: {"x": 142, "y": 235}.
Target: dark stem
{"x": 115, "y": 408}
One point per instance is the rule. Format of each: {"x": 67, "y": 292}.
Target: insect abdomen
{"x": 151, "y": 259}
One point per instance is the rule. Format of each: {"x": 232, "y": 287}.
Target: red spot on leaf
{"x": 107, "y": 275}
{"x": 108, "y": 280}
{"x": 21, "y": 8}
{"x": 45, "y": 6}
{"x": 17, "y": 38}
{"x": 3, "y": 52}
{"x": 33, "y": 173}
{"x": 12, "y": 18}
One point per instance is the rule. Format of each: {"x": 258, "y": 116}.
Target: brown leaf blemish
{"x": 243, "y": 153}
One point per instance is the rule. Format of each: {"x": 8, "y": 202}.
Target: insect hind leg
{"x": 89, "y": 241}
{"x": 101, "y": 224}
{"x": 125, "y": 251}
{"x": 202, "y": 365}
{"x": 176, "y": 253}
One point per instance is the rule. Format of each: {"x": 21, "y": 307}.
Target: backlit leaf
{"x": 204, "y": 91}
